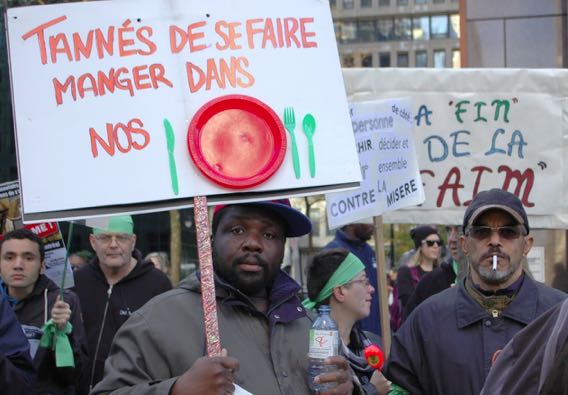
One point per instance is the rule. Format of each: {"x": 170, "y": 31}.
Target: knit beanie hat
{"x": 420, "y": 233}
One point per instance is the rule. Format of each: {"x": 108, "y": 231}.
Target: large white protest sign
{"x": 391, "y": 180}
{"x": 477, "y": 129}
{"x": 130, "y": 104}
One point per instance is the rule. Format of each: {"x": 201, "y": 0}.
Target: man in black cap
{"x": 263, "y": 326}
{"x": 450, "y": 341}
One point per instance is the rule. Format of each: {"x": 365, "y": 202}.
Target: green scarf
{"x": 347, "y": 270}
{"x": 63, "y": 350}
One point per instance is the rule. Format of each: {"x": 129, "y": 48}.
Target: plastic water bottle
{"x": 324, "y": 342}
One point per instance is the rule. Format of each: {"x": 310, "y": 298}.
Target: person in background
{"x": 560, "y": 280}
{"x": 535, "y": 361}
{"x": 427, "y": 243}
{"x": 354, "y": 238}
{"x": 37, "y": 301}
{"x": 160, "y": 261}
{"x": 337, "y": 278}
{"x": 446, "y": 275}
{"x": 263, "y": 327}
{"x": 450, "y": 341}
{"x": 79, "y": 258}
{"x": 112, "y": 286}
{"x": 17, "y": 375}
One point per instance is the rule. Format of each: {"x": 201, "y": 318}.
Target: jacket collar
{"x": 523, "y": 308}
{"x": 284, "y": 304}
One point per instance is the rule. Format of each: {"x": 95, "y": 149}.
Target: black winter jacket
{"x": 430, "y": 284}
{"x": 125, "y": 297}
{"x": 32, "y": 315}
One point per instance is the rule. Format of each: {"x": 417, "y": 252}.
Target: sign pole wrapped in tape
{"x": 208, "y": 301}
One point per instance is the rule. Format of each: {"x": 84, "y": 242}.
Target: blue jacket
{"x": 16, "y": 370}
{"x": 446, "y": 346}
{"x": 365, "y": 253}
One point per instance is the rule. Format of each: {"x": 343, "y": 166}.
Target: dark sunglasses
{"x": 430, "y": 243}
{"x": 482, "y": 232}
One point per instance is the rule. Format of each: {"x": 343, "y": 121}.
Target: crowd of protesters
{"x": 469, "y": 319}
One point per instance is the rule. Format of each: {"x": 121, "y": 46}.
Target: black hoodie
{"x": 125, "y": 297}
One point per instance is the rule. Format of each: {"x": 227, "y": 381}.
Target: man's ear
{"x": 42, "y": 267}
{"x": 464, "y": 246}
{"x": 92, "y": 241}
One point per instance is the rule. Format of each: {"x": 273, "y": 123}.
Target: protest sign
{"x": 477, "y": 129}
{"x": 55, "y": 251}
{"x": 133, "y": 101}
{"x": 391, "y": 180}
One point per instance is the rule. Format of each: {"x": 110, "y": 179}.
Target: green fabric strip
{"x": 397, "y": 390}
{"x": 455, "y": 268}
{"x": 347, "y": 270}
{"x": 57, "y": 339}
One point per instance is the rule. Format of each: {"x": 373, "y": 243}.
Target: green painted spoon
{"x": 309, "y": 127}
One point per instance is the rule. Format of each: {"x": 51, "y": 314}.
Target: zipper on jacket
{"x": 109, "y": 293}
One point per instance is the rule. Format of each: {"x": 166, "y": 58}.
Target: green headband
{"x": 347, "y": 270}
{"x": 120, "y": 224}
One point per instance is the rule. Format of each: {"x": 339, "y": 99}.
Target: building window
{"x": 348, "y": 4}
{"x": 401, "y": 2}
{"x": 417, "y": 2}
{"x": 402, "y": 28}
{"x": 439, "y": 58}
{"x": 421, "y": 59}
{"x": 402, "y": 59}
{"x": 439, "y": 26}
{"x": 367, "y": 32}
{"x": 366, "y": 60}
{"x": 456, "y": 58}
{"x": 366, "y": 3}
{"x": 439, "y": 1}
{"x": 384, "y": 3}
{"x": 347, "y": 32}
{"x": 333, "y": 4}
{"x": 454, "y": 26}
{"x": 384, "y": 59}
{"x": 385, "y": 29}
{"x": 348, "y": 60}
{"x": 338, "y": 27}
{"x": 421, "y": 28}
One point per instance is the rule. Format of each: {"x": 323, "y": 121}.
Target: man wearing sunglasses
{"x": 448, "y": 344}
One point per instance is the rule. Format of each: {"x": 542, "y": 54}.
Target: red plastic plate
{"x": 236, "y": 141}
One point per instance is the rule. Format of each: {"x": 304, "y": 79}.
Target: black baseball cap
{"x": 495, "y": 199}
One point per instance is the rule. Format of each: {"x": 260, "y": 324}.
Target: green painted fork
{"x": 290, "y": 125}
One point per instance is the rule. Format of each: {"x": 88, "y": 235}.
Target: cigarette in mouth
{"x": 494, "y": 262}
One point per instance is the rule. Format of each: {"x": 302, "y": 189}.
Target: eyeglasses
{"x": 430, "y": 243}
{"x": 120, "y": 238}
{"x": 365, "y": 281}
{"x": 482, "y": 232}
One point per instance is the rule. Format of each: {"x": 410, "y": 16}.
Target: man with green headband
{"x": 263, "y": 327}
{"x": 112, "y": 286}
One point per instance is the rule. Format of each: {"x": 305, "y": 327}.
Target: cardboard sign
{"x": 383, "y": 131}
{"x": 118, "y": 94}
{"x": 481, "y": 129}
{"x": 55, "y": 251}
